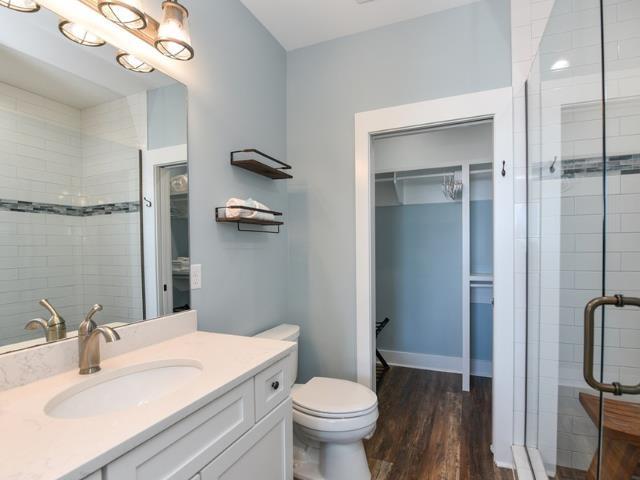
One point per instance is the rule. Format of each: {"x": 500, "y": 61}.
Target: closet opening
{"x": 433, "y": 267}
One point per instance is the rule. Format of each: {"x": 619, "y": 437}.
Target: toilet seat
{"x": 335, "y": 424}
{"x": 333, "y": 405}
{"x": 334, "y": 398}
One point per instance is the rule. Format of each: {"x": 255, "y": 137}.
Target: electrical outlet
{"x": 196, "y": 276}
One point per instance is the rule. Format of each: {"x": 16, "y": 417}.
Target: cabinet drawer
{"x": 183, "y": 449}
{"x": 272, "y": 387}
{"x": 265, "y": 452}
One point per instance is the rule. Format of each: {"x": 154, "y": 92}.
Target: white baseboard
{"x": 439, "y": 363}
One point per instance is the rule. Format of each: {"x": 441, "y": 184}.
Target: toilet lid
{"x": 331, "y": 397}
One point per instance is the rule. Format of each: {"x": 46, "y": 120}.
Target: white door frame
{"x": 151, "y": 160}
{"x": 496, "y": 104}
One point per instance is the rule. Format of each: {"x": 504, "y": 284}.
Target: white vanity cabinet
{"x": 244, "y": 434}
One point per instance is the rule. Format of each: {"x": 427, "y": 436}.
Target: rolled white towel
{"x": 259, "y": 215}
{"x": 235, "y": 212}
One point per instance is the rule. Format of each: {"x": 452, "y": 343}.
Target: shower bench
{"x": 621, "y": 439}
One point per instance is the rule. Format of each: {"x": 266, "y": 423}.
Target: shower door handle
{"x": 589, "y": 313}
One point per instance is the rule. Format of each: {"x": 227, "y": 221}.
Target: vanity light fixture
{"x": 77, "y": 33}
{"x": 133, "y": 63}
{"x": 126, "y": 13}
{"x": 174, "y": 40}
{"x": 27, "y": 6}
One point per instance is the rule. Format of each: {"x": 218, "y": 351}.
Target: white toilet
{"x": 331, "y": 417}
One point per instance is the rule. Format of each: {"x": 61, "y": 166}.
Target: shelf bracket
{"x": 398, "y": 186}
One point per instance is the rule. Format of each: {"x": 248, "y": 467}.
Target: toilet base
{"x": 329, "y": 461}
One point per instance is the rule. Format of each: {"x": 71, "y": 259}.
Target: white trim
{"x": 496, "y": 104}
{"x": 438, "y": 363}
{"x": 151, "y": 159}
{"x": 539, "y": 470}
{"x": 528, "y": 463}
{"x": 466, "y": 273}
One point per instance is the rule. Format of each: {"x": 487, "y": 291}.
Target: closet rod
{"x": 428, "y": 175}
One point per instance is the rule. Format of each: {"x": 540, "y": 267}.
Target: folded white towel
{"x": 179, "y": 184}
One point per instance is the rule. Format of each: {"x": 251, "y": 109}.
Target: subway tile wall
{"x": 52, "y": 153}
{"x": 580, "y": 279}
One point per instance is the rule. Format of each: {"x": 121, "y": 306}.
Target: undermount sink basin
{"x": 120, "y": 389}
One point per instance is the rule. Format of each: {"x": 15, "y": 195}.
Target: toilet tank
{"x": 289, "y": 333}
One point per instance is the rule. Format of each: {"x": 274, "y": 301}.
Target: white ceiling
{"x": 35, "y": 76}
{"x": 299, "y": 23}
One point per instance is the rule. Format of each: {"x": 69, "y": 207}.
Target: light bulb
{"x": 79, "y": 34}
{"x": 133, "y": 63}
{"x": 127, "y": 13}
{"x": 174, "y": 40}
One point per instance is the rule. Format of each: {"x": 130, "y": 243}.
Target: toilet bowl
{"x": 331, "y": 417}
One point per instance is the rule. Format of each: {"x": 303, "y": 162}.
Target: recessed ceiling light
{"x": 560, "y": 64}
{"x": 27, "y": 6}
{"x": 77, "y": 33}
{"x": 363, "y": 1}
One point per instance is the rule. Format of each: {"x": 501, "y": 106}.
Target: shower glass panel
{"x": 583, "y": 242}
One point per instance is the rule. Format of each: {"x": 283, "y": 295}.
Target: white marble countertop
{"x": 35, "y": 446}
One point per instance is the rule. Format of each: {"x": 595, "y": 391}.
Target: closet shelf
{"x": 221, "y": 218}
{"x": 259, "y": 162}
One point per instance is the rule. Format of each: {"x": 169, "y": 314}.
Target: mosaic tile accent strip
{"x": 592, "y": 167}
{"x": 71, "y": 211}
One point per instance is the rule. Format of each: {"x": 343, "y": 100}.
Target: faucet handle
{"x": 88, "y": 325}
{"x": 36, "y": 323}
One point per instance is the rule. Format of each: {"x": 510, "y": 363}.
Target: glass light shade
{"x": 127, "y": 13}
{"x": 27, "y": 6}
{"x": 79, "y": 34}
{"x": 133, "y": 63}
{"x": 174, "y": 40}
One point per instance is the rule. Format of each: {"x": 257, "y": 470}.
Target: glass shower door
{"x": 583, "y": 242}
{"x": 617, "y": 371}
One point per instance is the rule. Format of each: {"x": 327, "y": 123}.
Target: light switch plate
{"x": 196, "y": 276}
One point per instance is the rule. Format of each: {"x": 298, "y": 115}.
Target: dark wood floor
{"x": 429, "y": 429}
{"x": 566, "y": 473}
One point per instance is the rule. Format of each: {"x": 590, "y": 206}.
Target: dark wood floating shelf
{"x": 221, "y": 218}
{"x": 259, "y": 163}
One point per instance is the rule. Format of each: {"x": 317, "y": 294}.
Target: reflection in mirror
{"x": 93, "y": 189}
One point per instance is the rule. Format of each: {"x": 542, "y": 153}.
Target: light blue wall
{"x": 419, "y": 278}
{"x": 167, "y": 116}
{"x": 237, "y": 99}
{"x": 453, "y": 52}
{"x": 481, "y": 218}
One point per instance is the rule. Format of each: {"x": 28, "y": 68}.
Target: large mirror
{"x": 94, "y": 186}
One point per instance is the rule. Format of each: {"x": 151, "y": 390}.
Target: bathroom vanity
{"x": 198, "y": 406}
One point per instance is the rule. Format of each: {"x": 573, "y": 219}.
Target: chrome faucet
{"x": 54, "y": 329}
{"x": 89, "y": 342}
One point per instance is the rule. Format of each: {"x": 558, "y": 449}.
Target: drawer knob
{"x": 275, "y": 385}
